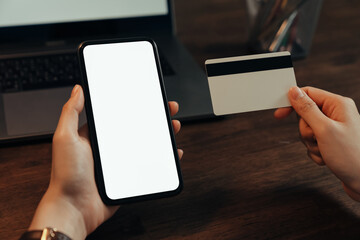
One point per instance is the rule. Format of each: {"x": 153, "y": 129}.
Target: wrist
{"x": 55, "y": 211}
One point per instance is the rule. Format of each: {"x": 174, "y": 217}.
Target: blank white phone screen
{"x": 133, "y": 136}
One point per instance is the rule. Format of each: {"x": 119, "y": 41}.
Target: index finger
{"x": 319, "y": 96}
{"x": 174, "y": 107}
{"x": 282, "y": 113}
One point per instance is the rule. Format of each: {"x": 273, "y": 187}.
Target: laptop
{"x": 39, "y": 65}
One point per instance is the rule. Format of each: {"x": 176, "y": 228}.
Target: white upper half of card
{"x": 250, "y": 83}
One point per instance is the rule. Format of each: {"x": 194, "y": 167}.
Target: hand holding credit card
{"x": 250, "y": 83}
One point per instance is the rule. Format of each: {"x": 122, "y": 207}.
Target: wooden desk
{"x": 246, "y": 176}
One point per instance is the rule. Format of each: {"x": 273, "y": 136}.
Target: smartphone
{"x": 130, "y": 128}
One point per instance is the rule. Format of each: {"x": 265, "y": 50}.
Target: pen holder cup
{"x": 282, "y": 25}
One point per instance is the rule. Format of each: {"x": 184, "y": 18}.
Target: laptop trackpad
{"x": 34, "y": 112}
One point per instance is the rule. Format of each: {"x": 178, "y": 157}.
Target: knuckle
{"x": 61, "y": 136}
{"x": 66, "y": 108}
{"x": 58, "y": 137}
{"x": 326, "y": 129}
{"x": 304, "y": 138}
{"x": 321, "y": 162}
{"x": 307, "y": 106}
{"x": 306, "y": 133}
{"x": 318, "y": 160}
{"x": 345, "y": 101}
{"x": 349, "y": 101}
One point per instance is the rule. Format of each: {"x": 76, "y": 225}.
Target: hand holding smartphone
{"x": 129, "y": 122}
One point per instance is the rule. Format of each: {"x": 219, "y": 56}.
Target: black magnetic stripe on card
{"x": 245, "y": 66}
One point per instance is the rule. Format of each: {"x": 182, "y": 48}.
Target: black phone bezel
{"x": 92, "y": 131}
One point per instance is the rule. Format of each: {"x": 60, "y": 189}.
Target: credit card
{"x": 250, "y": 83}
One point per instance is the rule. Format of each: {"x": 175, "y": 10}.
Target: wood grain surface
{"x": 246, "y": 176}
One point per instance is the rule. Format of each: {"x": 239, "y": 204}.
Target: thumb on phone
{"x": 69, "y": 119}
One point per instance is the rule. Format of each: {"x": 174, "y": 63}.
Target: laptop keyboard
{"x": 40, "y": 72}
{"x": 21, "y": 74}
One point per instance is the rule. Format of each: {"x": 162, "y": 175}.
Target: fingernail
{"x": 75, "y": 90}
{"x": 296, "y": 93}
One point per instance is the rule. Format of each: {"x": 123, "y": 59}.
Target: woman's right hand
{"x": 329, "y": 126}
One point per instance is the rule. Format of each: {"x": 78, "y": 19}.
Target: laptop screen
{"x": 36, "y": 12}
